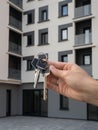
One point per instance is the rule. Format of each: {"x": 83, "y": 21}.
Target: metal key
{"x": 47, "y": 72}
{"x": 36, "y": 77}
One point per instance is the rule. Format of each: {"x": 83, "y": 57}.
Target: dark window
{"x": 64, "y": 58}
{"x": 29, "y": 40}
{"x": 64, "y": 10}
{"x": 29, "y": 66}
{"x": 43, "y": 14}
{"x": 64, "y": 103}
{"x": 64, "y": 34}
{"x": 43, "y": 37}
{"x": 29, "y": 18}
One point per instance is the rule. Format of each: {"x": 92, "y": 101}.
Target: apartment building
{"x": 66, "y": 30}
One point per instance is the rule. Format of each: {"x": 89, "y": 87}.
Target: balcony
{"x": 15, "y": 23}
{"x": 83, "y": 11}
{"x": 14, "y": 74}
{"x": 14, "y": 71}
{"x": 83, "y": 39}
{"x": 14, "y": 48}
{"x": 17, "y": 2}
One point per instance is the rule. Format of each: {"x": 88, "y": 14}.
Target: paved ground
{"x": 37, "y": 123}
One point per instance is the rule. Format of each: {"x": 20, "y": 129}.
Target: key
{"x": 42, "y": 64}
{"x": 34, "y": 63}
{"x": 36, "y": 77}
{"x": 47, "y": 72}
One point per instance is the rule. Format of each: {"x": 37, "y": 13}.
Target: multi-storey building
{"x": 66, "y": 31}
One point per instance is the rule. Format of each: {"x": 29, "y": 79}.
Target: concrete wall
{"x": 15, "y": 99}
{"x": 4, "y": 31}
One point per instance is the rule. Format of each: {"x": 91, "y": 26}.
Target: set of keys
{"x": 41, "y": 66}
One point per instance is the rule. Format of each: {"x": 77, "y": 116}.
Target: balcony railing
{"x": 83, "y": 39}
{"x": 17, "y": 2}
{"x": 82, "y": 11}
{"x": 15, "y": 23}
{"x": 14, "y": 74}
{"x": 15, "y": 48}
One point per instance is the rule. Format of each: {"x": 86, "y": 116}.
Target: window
{"x": 64, "y": 58}
{"x": 64, "y": 10}
{"x": 29, "y": 18}
{"x": 87, "y": 60}
{"x": 64, "y": 103}
{"x": 29, "y": 66}
{"x": 43, "y": 37}
{"x": 64, "y": 34}
{"x": 43, "y": 14}
{"x": 30, "y": 38}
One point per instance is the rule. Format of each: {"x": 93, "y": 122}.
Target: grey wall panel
{"x": 77, "y": 110}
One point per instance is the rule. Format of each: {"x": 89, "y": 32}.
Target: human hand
{"x": 71, "y": 81}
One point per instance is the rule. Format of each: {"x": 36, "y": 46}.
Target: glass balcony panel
{"x": 83, "y": 39}
{"x": 14, "y": 74}
{"x": 15, "y": 48}
{"x": 82, "y": 11}
{"x": 16, "y": 23}
{"x": 17, "y": 2}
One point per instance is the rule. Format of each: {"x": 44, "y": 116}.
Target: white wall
{"x": 4, "y": 16}
{"x": 54, "y": 46}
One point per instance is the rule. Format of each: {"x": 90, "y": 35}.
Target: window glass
{"x": 64, "y": 34}
{"x": 87, "y": 60}
{"x": 29, "y": 18}
{"x": 44, "y": 38}
{"x": 44, "y": 15}
{"x": 29, "y": 40}
{"x": 64, "y": 10}
{"x": 29, "y": 66}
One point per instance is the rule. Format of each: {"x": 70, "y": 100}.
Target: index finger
{"x": 58, "y": 65}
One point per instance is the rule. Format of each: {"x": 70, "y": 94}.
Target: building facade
{"x": 66, "y": 31}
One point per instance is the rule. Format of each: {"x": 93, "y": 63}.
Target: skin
{"x": 73, "y": 82}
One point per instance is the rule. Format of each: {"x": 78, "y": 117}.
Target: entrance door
{"x": 8, "y": 102}
{"x": 92, "y": 112}
{"x": 33, "y": 103}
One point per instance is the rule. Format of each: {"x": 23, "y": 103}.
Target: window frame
{"x": 62, "y": 11}
{"x": 41, "y": 14}
{"x": 29, "y": 66}
{"x": 41, "y": 34}
{"x": 63, "y": 35}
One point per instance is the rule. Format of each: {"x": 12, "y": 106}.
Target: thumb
{"x": 56, "y": 72}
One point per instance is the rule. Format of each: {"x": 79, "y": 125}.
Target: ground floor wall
{"x": 9, "y": 100}
{"x": 27, "y": 101}
{"x": 76, "y": 110}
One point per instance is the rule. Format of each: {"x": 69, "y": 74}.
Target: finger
{"x": 52, "y": 86}
{"x": 56, "y": 72}
{"x": 59, "y": 65}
